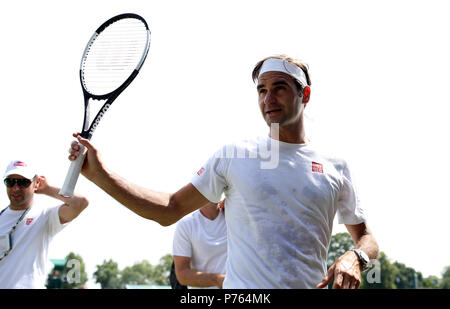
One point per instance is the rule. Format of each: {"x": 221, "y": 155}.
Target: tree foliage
{"x": 339, "y": 244}
{"x": 162, "y": 270}
{"x": 392, "y": 275}
{"x": 141, "y": 273}
{"x": 108, "y": 275}
{"x": 445, "y": 282}
{"x": 138, "y": 274}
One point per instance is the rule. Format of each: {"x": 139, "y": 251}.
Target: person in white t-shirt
{"x": 282, "y": 195}
{"x": 26, "y": 228}
{"x": 200, "y": 248}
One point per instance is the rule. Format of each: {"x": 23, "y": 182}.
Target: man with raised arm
{"x": 27, "y": 228}
{"x": 282, "y": 194}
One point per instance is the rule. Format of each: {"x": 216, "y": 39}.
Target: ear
{"x": 306, "y": 94}
{"x": 38, "y": 181}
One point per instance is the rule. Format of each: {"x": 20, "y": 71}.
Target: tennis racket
{"x": 111, "y": 60}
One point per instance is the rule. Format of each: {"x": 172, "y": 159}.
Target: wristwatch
{"x": 363, "y": 259}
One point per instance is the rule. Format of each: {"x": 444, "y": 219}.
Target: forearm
{"x": 52, "y": 192}
{"x": 144, "y": 202}
{"x": 368, "y": 244}
{"x": 163, "y": 208}
{"x": 194, "y": 278}
{"x": 364, "y": 239}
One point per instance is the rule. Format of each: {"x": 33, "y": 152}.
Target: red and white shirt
{"x": 25, "y": 267}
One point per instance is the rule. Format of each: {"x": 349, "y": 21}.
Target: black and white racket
{"x": 111, "y": 60}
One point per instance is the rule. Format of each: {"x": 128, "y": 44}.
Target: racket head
{"x": 114, "y": 55}
{"x": 111, "y": 60}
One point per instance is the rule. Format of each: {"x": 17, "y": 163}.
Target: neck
{"x": 294, "y": 134}
{"x": 20, "y": 207}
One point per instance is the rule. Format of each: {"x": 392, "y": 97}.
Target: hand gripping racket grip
{"x": 73, "y": 173}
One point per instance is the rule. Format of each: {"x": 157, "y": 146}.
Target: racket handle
{"x": 73, "y": 173}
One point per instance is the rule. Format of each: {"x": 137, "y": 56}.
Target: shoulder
{"x": 186, "y": 226}
{"x": 40, "y": 209}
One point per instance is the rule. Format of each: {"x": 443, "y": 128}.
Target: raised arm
{"x": 163, "y": 208}
{"x": 72, "y": 206}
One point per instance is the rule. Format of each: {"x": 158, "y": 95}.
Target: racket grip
{"x": 73, "y": 173}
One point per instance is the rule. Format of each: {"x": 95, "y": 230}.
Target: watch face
{"x": 363, "y": 258}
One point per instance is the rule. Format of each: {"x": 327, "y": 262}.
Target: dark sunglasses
{"x": 21, "y": 182}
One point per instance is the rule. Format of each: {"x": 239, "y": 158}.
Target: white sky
{"x": 380, "y": 99}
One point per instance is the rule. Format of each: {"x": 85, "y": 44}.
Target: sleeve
{"x": 54, "y": 225}
{"x": 182, "y": 245}
{"x": 348, "y": 204}
{"x": 210, "y": 180}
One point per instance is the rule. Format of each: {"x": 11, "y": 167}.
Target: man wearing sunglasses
{"x": 27, "y": 228}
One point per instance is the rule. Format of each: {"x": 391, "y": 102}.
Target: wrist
{"x": 99, "y": 174}
{"x": 363, "y": 259}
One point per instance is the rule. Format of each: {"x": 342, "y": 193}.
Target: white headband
{"x": 280, "y": 65}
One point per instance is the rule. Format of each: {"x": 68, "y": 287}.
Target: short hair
{"x": 302, "y": 65}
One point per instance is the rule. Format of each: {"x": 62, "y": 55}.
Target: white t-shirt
{"x": 279, "y": 220}
{"x": 25, "y": 266}
{"x": 203, "y": 240}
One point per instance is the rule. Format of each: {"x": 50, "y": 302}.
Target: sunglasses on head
{"x": 21, "y": 182}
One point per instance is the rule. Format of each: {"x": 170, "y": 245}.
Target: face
{"x": 20, "y": 197}
{"x": 279, "y": 100}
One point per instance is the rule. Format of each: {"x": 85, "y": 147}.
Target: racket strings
{"x": 113, "y": 56}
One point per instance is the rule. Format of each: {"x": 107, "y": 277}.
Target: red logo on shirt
{"x": 200, "y": 171}
{"x": 28, "y": 221}
{"x": 317, "y": 168}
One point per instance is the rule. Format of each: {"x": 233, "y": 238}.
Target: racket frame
{"x": 88, "y": 129}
